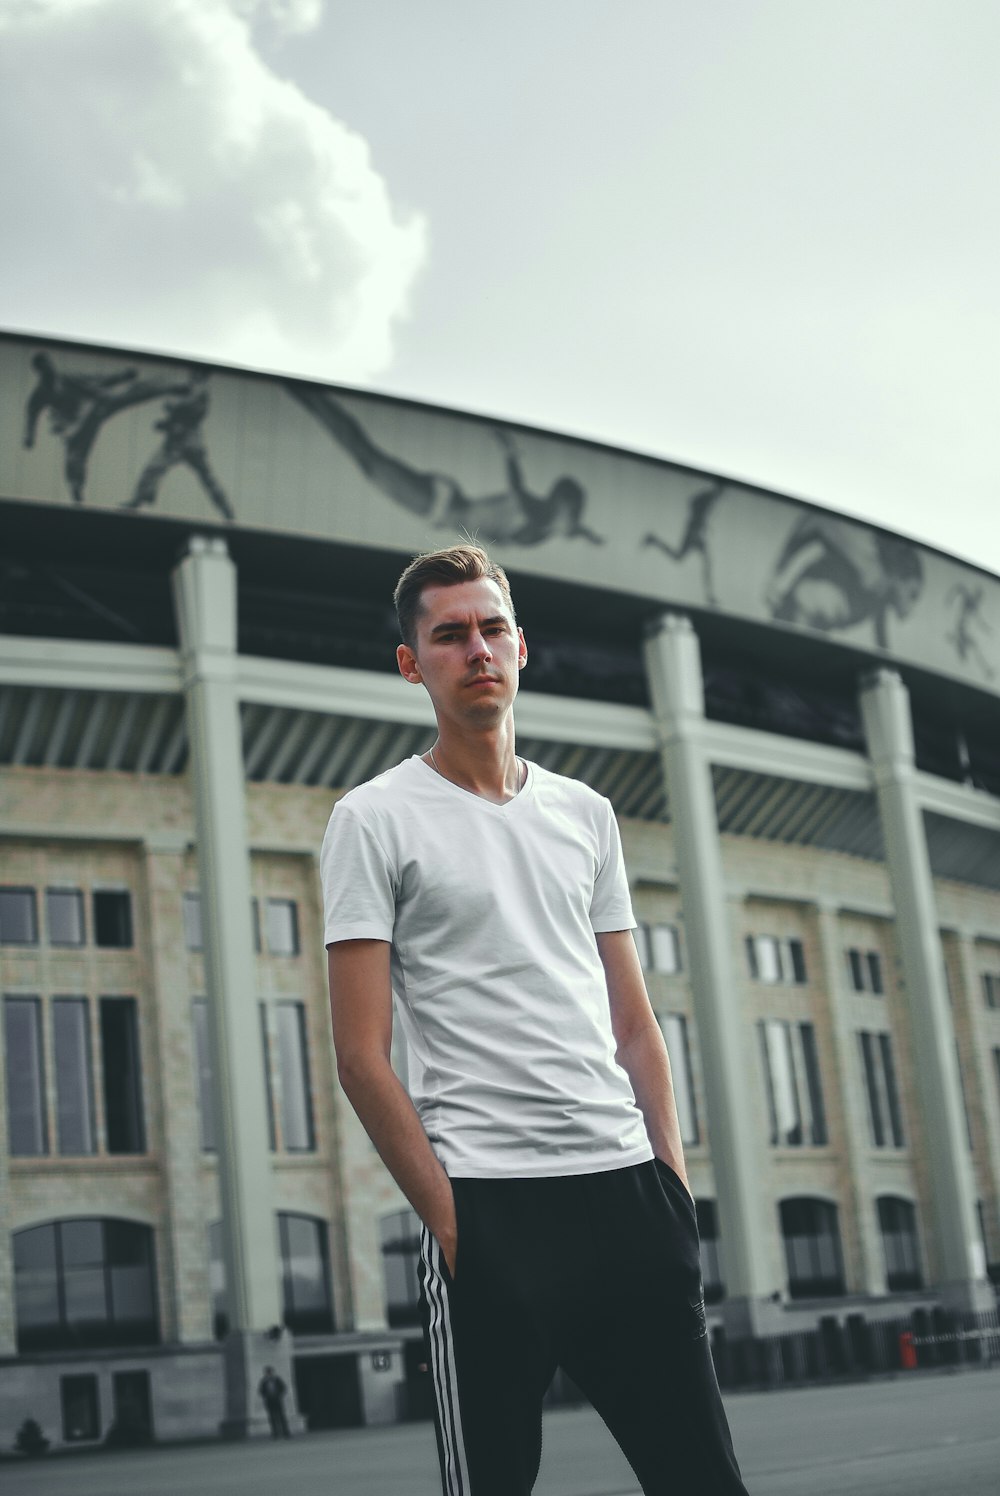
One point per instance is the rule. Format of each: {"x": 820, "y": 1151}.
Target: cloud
{"x": 163, "y": 187}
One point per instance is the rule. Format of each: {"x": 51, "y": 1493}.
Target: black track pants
{"x": 599, "y": 1274}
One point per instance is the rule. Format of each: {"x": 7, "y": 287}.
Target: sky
{"x": 755, "y": 236}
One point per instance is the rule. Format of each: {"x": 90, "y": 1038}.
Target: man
{"x": 272, "y": 1390}
{"x": 541, "y": 1149}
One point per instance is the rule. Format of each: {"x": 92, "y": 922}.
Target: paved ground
{"x": 922, "y": 1436}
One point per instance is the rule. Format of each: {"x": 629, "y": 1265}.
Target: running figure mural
{"x": 833, "y": 573}
{"x": 968, "y": 619}
{"x": 512, "y": 515}
{"x": 695, "y": 537}
{"x": 183, "y": 443}
{"x": 78, "y": 406}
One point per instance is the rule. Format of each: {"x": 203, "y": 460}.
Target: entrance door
{"x": 133, "y": 1408}
{"x": 328, "y": 1391}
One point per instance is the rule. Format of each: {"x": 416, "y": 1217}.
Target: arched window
{"x": 304, "y": 1265}
{"x": 85, "y": 1282}
{"x": 897, "y": 1221}
{"x": 812, "y": 1248}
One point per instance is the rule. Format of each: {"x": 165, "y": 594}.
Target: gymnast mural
{"x": 183, "y": 444}
{"x": 969, "y": 622}
{"x": 513, "y": 515}
{"x": 833, "y": 573}
{"x": 695, "y": 538}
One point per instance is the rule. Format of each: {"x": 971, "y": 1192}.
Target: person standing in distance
{"x": 541, "y": 1147}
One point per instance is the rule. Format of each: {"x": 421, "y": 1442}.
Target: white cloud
{"x": 163, "y": 187}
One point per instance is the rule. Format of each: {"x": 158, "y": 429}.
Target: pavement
{"x": 921, "y": 1434}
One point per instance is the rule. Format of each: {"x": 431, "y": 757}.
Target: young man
{"x": 541, "y": 1147}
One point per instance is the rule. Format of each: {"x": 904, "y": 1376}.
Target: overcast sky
{"x": 758, "y": 236}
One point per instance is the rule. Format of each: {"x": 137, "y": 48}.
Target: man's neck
{"x": 485, "y": 765}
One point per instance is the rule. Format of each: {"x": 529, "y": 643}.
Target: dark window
{"x": 305, "y": 1271}
{"x": 265, "y": 1043}
{"x": 81, "y": 1417}
{"x": 74, "y": 1075}
{"x": 400, "y": 1239}
{"x": 810, "y": 1058}
{"x": 884, "y": 1112}
{"x": 856, "y": 964}
{"x": 204, "y": 1077}
{"x": 255, "y": 923}
{"x": 217, "y": 1282}
{"x": 812, "y": 1248}
{"x": 191, "y": 906}
{"x": 18, "y": 917}
{"x": 133, "y": 1406}
{"x": 874, "y": 962}
{"x": 991, "y": 989}
{"x": 792, "y": 1083}
{"x": 122, "y": 1076}
{"x": 113, "y": 918}
{"x": 281, "y": 917}
{"x": 897, "y": 1221}
{"x": 297, "y": 1133}
{"x": 86, "y": 1282}
{"x": 711, "y": 1263}
{"x": 797, "y": 952}
{"x": 27, "y": 1125}
{"x": 64, "y": 914}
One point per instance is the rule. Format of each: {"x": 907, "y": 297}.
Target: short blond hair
{"x": 446, "y": 568}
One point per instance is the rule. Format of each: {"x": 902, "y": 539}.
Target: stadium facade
{"x": 795, "y": 715}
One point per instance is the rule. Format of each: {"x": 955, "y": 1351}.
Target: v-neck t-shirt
{"x": 491, "y": 911}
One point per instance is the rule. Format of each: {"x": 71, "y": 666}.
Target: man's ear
{"x": 409, "y": 667}
{"x": 522, "y": 651}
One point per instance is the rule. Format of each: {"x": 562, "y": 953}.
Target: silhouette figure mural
{"x": 183, "y": 443}
{"x": 969, "y": 619}
{"x": 695, "y": 537}
{"x": 832, "y": 573}
{"x": 513, "y": 515}
{"x": 78, "y": 406}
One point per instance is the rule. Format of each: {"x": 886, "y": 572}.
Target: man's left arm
{"x": 642, "y": 1052}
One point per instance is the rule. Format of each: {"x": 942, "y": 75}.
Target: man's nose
{"x": 478, "y": 648}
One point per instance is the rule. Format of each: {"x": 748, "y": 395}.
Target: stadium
{"x": 795, "y": 715}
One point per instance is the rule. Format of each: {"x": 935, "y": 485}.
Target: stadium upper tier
{"x": 111, "y": 459}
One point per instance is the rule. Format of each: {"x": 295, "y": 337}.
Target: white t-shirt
{"x": 491, "y": 912}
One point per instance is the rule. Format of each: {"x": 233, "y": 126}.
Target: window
{"x": 217, "y": 1281}
{"x": 772, "y": 960}
{"x": 18, "y": 917}
{"x": 120, "y": 1063}
{"x": 400, "y": 1238}
{"x": 192, "y": 922}
{"x": 659, "y": 947}
{"x": 255, "y": 923}
{"x": 80, "y": 1411}
{"x": 996, "y": 1065}
{"x": 674, "y": 1027}
{"x": 113, "y": 918}
{"x": 265, "y": 1042}
{"x": 297, "y": 1133}
{"x": 64, "y": 916}
{"x": 27, "y": 1124}
{"x": 711, "y": 1265}
{"x": 203, "y": 1074}
{"x": 792, "y": 1079}
{"x": 884, "y": 1113}
{"x": 897, "y": 1221}
{"x": 305, "y": 1271}
{"x": 866, "y": 971}
{"x": 85, "y": 1282}
{"x": 281, "y": 924}
{"x": 74, "y": 1075}
{"x": 812, "y": 1248}
{"x": 991, "y": 988}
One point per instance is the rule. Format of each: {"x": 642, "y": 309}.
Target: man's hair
{"x": 447, "y": 568}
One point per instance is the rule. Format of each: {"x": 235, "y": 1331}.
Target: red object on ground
{"x": 907, "y": 1351}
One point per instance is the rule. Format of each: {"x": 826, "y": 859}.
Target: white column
{"x": 205, "y": 601}
{"x": 885, "y": 710}
{"x": 673, "y": 667}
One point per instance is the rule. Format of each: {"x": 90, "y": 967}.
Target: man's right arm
{"x": 361, "y": 1005}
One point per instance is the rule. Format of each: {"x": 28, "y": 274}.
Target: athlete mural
{"x": 833, "y": 573}
{"x": 79, "y": 404}
{"x": 513, "y": 515}
{"x": 969, "y": 622}
{"x": 701, "y": 506}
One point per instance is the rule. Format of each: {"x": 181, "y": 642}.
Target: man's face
{"x": 467, "y": 653}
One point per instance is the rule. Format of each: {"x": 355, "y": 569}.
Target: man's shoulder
{"x": 384, "y": 792}
{"x": 560, "y": 788}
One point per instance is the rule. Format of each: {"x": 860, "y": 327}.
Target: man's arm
{"x": 642, "y": 1052}
{"x": 361, "y": 1005}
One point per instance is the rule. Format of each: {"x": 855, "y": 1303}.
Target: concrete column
{"x": 869, "y": 1254}
{"x": 673, "y": 667}
{"x": 8, "y": 1327}
{"x": 205, "y": 603}
{"x": 885, "y": 710}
